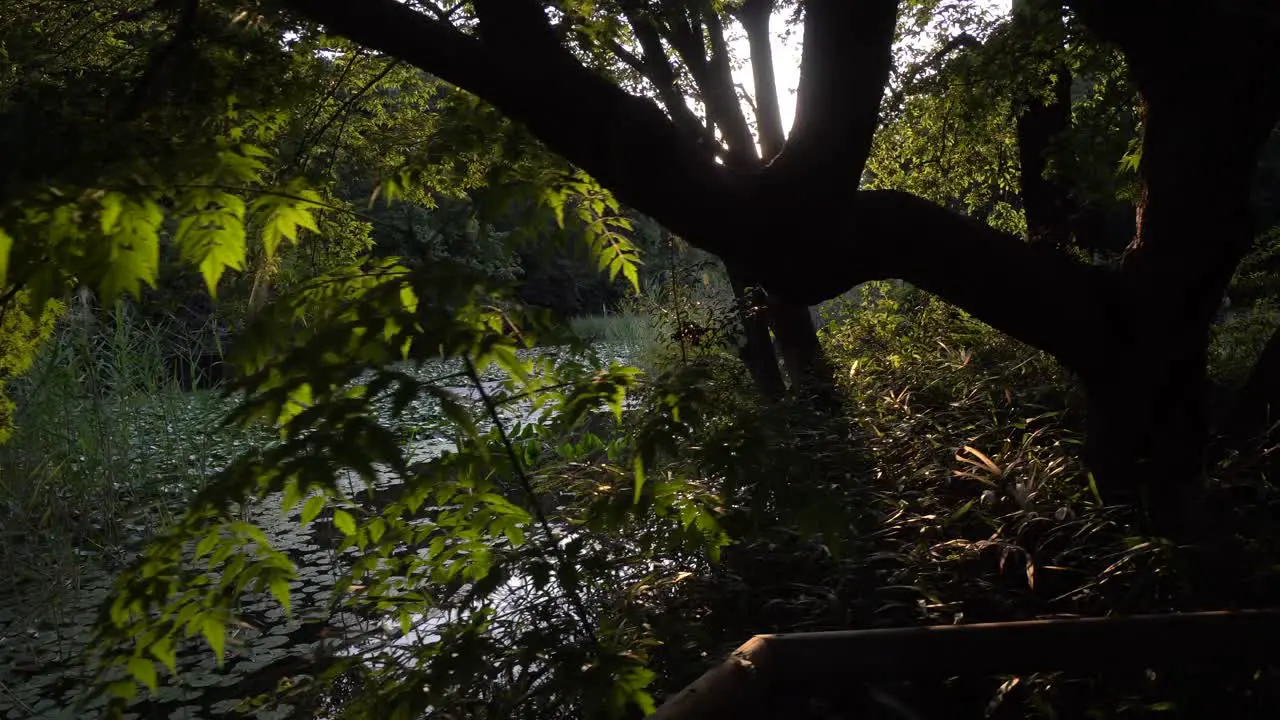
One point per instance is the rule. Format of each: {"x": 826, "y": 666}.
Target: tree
{"x": 1134, "y": 334}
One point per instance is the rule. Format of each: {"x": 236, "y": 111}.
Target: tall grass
{"x": 108, "y": 445}
{"x": 635, "y": 330}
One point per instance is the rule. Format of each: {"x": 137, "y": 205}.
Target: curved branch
{"x": 517, "y": 64}
{"x": 655, "y": 68}
{"x": 754, "y": 16}
{"x": 1033, "y": 293}
{"x": 844, "y": 68}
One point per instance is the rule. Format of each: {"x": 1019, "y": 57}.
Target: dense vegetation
{"x": 516, "y": 358}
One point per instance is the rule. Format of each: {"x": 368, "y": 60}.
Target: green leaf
{"x": 1093, "y": 488}
{"x": 377, "y": 529}
{"x": 253, "y": 151}
{"x": 639, "y": 468}
{"x": 284, "y": 216}
{"x": 292, "y": 496}
{"x": 6, "y": 247}
{"x": 514, "y": 534}
{"x": 133, "y": 251}
{"x": 112, "y": 208}
{"x": 344, "y": 522}
{"x": 123, "y": 689}
{"x": 144, "y": 671}
{"x": 212, "y": 238}
{"x": 215, "y": 633}
{"x": 280, "y": 590}
{"x": 630, "y": 272}
{"x": 205, "y": 546}
{"x": 163, "y": 651}
{"x": 312, "y": 508}
{"x": 964, "y": 510}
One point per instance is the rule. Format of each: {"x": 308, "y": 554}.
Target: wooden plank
{"x": 1079, "y": 644}
{"x": 742, "y": 686}
{"x": 737, "y": 688}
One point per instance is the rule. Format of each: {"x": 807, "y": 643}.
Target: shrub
{"x": 21, "y": 338}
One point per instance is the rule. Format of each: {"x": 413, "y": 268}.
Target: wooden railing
{"x": 744, "y": 686}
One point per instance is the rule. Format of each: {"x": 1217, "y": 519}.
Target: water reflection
{"x": 41, "y": 676}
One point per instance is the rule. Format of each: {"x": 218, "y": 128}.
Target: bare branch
{"x": 688, "y": 29}
{"x": 656, "y": 68}
{"x": 721, "y": 95}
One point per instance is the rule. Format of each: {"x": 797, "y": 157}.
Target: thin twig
{"x": 518, "y": 468}
{"x": 346, "y": 106}
{"x": 25, "y": 707}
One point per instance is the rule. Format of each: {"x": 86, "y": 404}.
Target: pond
{"x": 41, "y": 670}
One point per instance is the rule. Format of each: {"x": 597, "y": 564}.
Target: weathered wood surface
{"x": 744, "y": 686}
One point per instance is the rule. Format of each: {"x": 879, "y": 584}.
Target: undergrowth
{"x": 109, "y": 444}
{"x": 951, "y": 492}
{"x": 634, "y": 331}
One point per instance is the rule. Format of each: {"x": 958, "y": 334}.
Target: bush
{"x": 636, "y": 331}
{"x": 108, "y": 444}
{"x": 21, "y": 339}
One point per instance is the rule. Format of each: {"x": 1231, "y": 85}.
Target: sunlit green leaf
{"x": 214, "y": 632}
{"x": 343, "y": 521}
{"x": 144, "y": 671}
{"x": 313, "y": 507}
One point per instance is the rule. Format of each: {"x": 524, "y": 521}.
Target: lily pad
{"x": 270, "y": 641}
{"x": 204, "y": 681}
{"x": 222, "y": 707}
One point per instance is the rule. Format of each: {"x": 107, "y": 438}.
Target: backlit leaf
{"x": 144, "y": 671}
{"x": 344, "y": 522}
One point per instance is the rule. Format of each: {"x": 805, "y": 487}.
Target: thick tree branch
{"x": 656, "y": 68}
{"x": 1035, "y": 294}
{"x": 843, "y": 70}
{"x": 625, "y": 142}
{"x": 754, "y": 16}
{"x": 628, "y": 144}
{"x": 690, "y": 29}
{"x": 722, "y": 96}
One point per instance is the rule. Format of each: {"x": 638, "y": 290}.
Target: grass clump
{"x": 110, "y": 442}
{"x": 632, "y": 330}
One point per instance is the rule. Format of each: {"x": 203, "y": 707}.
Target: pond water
{"x": 42, "y": 675}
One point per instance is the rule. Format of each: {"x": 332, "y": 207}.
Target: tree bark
{"x": 792, "y": 323}
{"x": 1149, "y": 424}
{"x": 757, "y": 350}
{"x": 1257, "y": 407}
{"x": 807, "y": 368}
{"x": 1045, "y": 200}
{"x": 1136, "y": 336}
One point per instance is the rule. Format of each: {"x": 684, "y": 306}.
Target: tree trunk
{"x": 1136, "y": 336}
{"x": 1045, "y": 201}
{"x": 1147, "y": 437}
{"x": 1257, "y": 407}
{"x": 757, "y": 350}
{"x": 797, "y": 341}
{"x": 1148, "y": 392}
